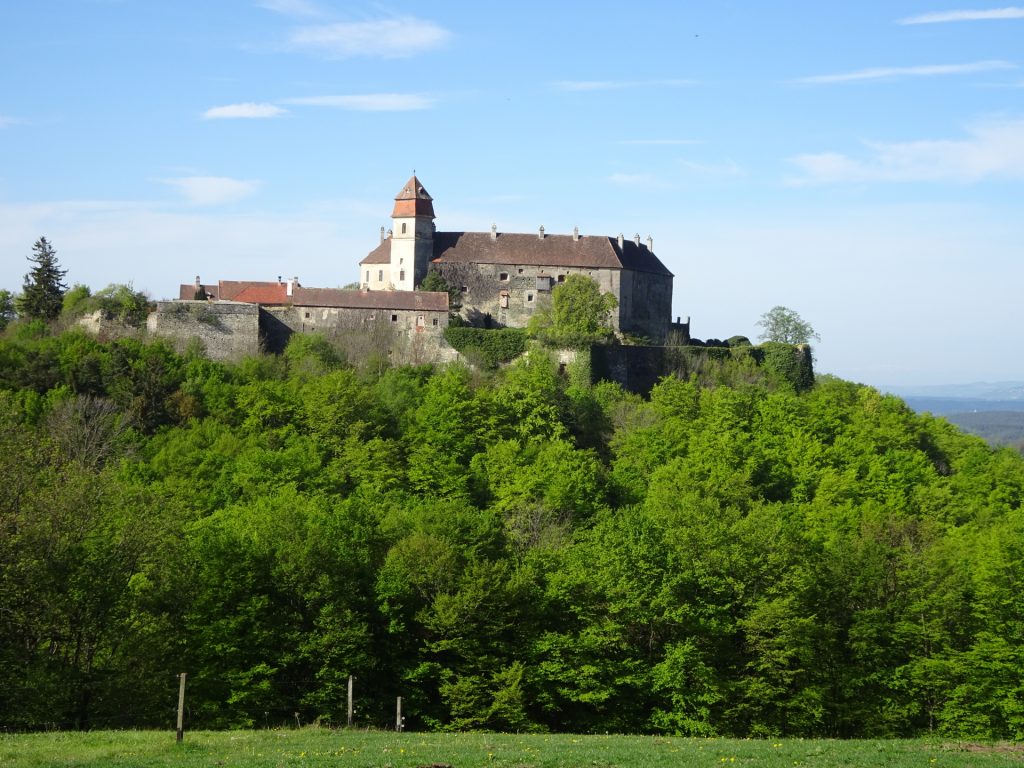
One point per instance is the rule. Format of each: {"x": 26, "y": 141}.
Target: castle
{"x": 503, "y": 279}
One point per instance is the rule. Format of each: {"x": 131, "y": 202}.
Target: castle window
{"x": 503, "y": 300}
{"x": 520, "y": 270}
{"x": 380, "y": 275}
{"x": 307, "y": 315}
{"x": 419, "y": 321}
{"x": 503, "y": 276}
{"x": 401, "y": 276}
{"x": 434, "y": 322}
{"x": 403, "y": 227}
{"x": 367, "y": 275}
{"x": 464, "y": 289}
{"x": 561, "y": 278}
{"x": 529, "y": 297}
{"x": 394, "y": 318}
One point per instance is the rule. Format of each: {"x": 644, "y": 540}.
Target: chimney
{"x": 636, "y": 239}
{"x": 620, "y": 241}
{"x": 390, "y": 233}
{"x": 279, "y": 278}
{"x": 494, "y": 231}
{"x": 292, "y": 285}
{"x": 575, "y": 234}
{"x": 382, "y": 234}
{"x": 650, "y": 244}
{"x": 540, "y": 232}
{"x": 198, "y": 284}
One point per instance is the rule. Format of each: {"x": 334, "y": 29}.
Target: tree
{"x": 580, "y": 314}
{"x": 785, "y": 325}
{"x": 7, "y": 300}
{"x": 42, "y": 296}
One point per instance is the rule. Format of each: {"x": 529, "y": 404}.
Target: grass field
{"x": 322, "y": 747}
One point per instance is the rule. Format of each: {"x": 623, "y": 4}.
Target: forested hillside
{"x": 516, "y": 551}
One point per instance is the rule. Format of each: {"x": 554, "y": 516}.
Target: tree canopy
{"x": 785, "y": 325}
{"x": 507, "y": 551}
{"x": 580, "y": 314}
{"x": 42, "y": 295}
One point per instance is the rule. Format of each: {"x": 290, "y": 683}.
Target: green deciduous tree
{"x": 785, "y": 325}
{"x": 42, "y": 295}
{"x": 580, "y": 314}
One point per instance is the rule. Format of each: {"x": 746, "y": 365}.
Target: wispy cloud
{"x": 291, "y": 7}
{"x": 393, "y": 38}
{"x": 7, "y": 121}
{"x": 368, "y": 102}
{"x": 213, "y": 190}
{"x": 247, "y": 109}
{"x": 991, "y": 150}
{"x": 890, "y": 73}
{"x": 660, "y": 142}
{"x": 942, "y": 17}
{"x": 616, "y": 85}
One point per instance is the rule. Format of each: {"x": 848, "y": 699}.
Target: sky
{"x": 860, "y": 163}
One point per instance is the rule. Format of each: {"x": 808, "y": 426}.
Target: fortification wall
{"x": 227, "y": 330}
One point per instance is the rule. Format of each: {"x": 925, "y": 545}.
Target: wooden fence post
{"x": 181, "y": 707}
{"x": 398, "y": 714}
{"x": 351, "y": 711}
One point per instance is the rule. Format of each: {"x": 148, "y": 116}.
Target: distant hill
{"x": 994, "y": 411}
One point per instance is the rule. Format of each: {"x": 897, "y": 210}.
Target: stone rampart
{"x": 228, "y": 330}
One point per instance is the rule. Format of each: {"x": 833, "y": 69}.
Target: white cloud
{"x": 6, "y": 121}
{"x": 993, "y": 149}
{"x": 889, "y": 73}
{"x": 245, "y": 110}
{"x": 395, "y": 38}
{"x": 213, "y": 190}
{"x": 290, "y": 7}
{"x": 616, "y": 85}
{"x": 993, "y": 14}
{"x": 367, "y": 102}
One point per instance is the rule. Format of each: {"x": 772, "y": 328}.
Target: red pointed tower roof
{"x": 413, "y": 200}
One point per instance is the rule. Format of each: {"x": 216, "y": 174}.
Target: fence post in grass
{"x": 398, "y": 714}
{"x": 181, "y": 707}
{"x": 351, "y": 711}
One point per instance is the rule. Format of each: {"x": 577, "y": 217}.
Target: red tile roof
{"x": 413, "y": 200}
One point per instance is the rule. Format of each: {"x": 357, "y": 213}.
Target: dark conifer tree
{"x": 42, "y": 294}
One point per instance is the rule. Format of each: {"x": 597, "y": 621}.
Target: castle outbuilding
{"x": 505, "y": 277}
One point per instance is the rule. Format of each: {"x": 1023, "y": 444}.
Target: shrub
{"x": 489, "y": 348}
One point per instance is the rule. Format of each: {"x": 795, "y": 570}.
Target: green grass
{"x": 323, "y": 747}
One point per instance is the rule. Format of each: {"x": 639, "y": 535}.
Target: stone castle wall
{"x": 227, "y": 330}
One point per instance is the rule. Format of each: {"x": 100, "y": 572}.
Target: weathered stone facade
{"x": 228, "y": 330}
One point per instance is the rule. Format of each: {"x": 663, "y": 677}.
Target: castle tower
{"x": 412, "y": 238}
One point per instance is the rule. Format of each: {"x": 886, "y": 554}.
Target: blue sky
{"x": 862, "y": 163}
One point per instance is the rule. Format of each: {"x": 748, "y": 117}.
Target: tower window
{"x": 380, "y": 275}
{"x": 367, "y": 275}
{"x": 403, "y": 227}
{"x": 401, "y": 276}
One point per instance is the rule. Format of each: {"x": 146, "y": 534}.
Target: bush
{"x": 489, "y": 348}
